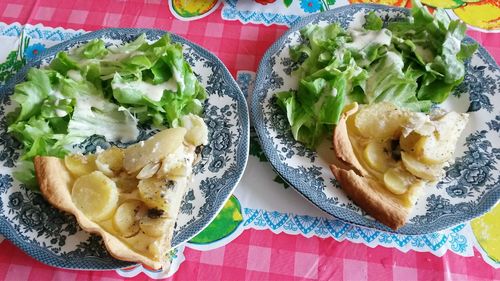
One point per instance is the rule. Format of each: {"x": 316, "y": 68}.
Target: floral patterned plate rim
{"x": 53, "y": 237}
{"x": 471, "y": 185}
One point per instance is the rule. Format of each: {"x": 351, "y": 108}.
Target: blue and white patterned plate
{"x": 471, "y": 185}
{"x": 54, "y": 237}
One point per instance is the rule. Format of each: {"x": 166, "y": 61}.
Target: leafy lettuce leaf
{"x": 373, "y": 22}
{"x": 99, "y": 90}
{"x": 412, "y": 63}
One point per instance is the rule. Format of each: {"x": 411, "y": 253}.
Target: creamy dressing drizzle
{"x": 125, "y": 131}
{"x": 153, "y": 92}
{"x": 75, "y": 75}
{"x": 361, "y": 39}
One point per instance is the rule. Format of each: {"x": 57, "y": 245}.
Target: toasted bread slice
{"x": 131, "y": 197}
{"x": 384, "y": 185}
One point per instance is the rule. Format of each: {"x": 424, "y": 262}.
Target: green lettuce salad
{"x": 99, "y": 90}
{"x": 413, "y": 63}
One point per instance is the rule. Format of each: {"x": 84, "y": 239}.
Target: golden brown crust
{"x": 54, "y": 180}
{"x": 359, "y": 185}
{"x": 360, "y": 189}
{"x": 342, "y": 144}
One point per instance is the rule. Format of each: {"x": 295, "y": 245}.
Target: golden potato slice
{"x": 429, "y": 172}
{"x": 408, "y": 143}
{"x": 380, "y": 121}
{"x": 440, "y": 146}
{"x": 154, "y": 227}
{"x": 127, "y": 216}
{"x": 110, "y": 161}
{"x": 398, "y": 180}
{"x": 80, "y": 165}
{"x": 378, "y": 156}
{"x": 126, "y": 182}
{"x": 140, "y": 242}
{"x": 451, "y": 125}
{"x": 95, "y": 195}
{"x": 431, "y": 150}
{"x": 153, "y": 191}
{"x": 153, "y": 150}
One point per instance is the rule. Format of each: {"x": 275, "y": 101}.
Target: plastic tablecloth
{"x": 275, "y": 233}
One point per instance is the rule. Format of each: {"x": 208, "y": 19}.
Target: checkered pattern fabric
{"x": 263, "y": 255}
{"x": 239, "y": 46}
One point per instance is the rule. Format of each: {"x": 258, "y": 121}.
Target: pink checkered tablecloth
{"x": 238, "y": 46}
{"x": 263, "y": 255}
{"x": 254, "y": 254}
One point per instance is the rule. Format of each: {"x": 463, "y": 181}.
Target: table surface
{"x": 270, "y": 242}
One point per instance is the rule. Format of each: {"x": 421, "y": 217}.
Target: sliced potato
{"x": 451, "y": 125}
{"x": 80, "y": 165}
{"x": 380, "y": 121}
{"x": 95, "y": 195}
{"x": 153, "y": 192}
{"x": 197, "y": 131}
{"x": 153, "y": 150}
{"x": 110, "y": 161}
{"x": 126, "y": 182}
{"x": 378, "y": 156}
{"x": 407, "y": 143}
{"x": 429, "y": 172}
{"x": 140, "y": 242}
{"x": 431, "y": 150}
{"x": 127, "y": 216}
{"x": 397, "y": 180}
{"x": 440, "y": 146}
{"x": 154, "y": 227}
{"x": 413, "y": 193}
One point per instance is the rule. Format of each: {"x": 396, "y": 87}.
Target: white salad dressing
{"x": 177, "y": 75}
{"x": 394, "y": 58}
{"x": 121, "y": 55}
{"x": 108, "y": 124}
{"x": 455, "y": 43}
{"x": 75, "y": 75}
{"x": 153, "y": 92}
{"x": 60, "y": 113}
{"x": 57, "y": 94}
{"x": 361, "y": 39}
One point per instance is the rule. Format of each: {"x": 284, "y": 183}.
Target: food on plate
{"x": 110, "y": 91}
{"x": 414, "y": 63}
{"x": 389, "y": 155}
{"x": 130, "y": 196}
